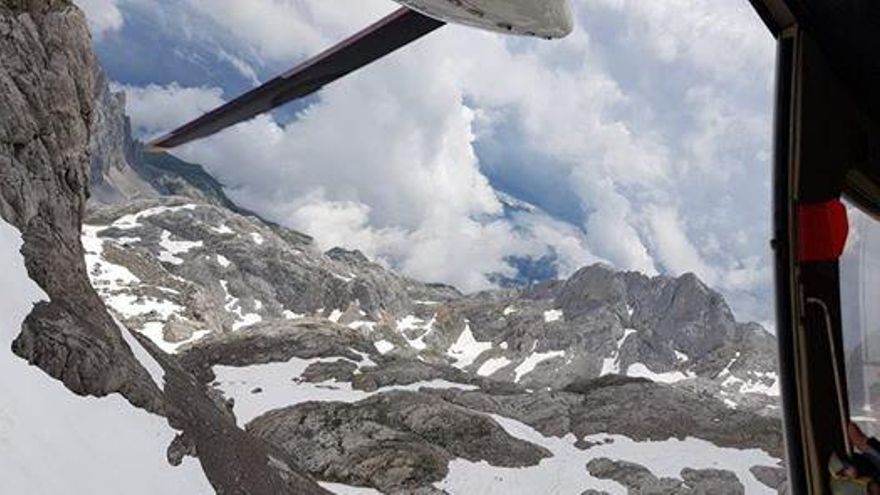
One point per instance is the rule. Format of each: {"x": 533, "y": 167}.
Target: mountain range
{"x": 279, "y": 368}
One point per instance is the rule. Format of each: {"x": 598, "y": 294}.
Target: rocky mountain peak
{"x": 354, "y": 257}
{"x": 196, "y": 269}
{"x": 113, "y": 149}
{"x": 592, "y": 287}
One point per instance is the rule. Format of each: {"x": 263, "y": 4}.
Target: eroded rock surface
{"x": 52, "y": 115}
{"x": 638, "y": 480}
{"x": 393, "y": 441}
{"x": 47, "y": 102}
{"x": 195, "y": 269}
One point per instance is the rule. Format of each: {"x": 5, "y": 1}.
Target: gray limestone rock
{"x": 405, "y": 372}
{"x": 276, "y": 341}
{"x": 638, "y": 409}
{"x": 638, "y": 480}
{"x": 774, "y": 477}
{"x": 712, "y": 481}
{"x": 47, "y": 100}
{"x": 229, "y": 271}
{"x": 49, "y": 82}
{"x": 392, "y": 441}
{"x": 340, "y": 370}
{"x": 112, "y": 177}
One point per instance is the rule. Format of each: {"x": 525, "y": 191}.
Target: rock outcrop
{"x": 395, "y": 442}
{"x": 113, "y": 180}
{"x": 193, "y": 269}
{"x": 47, "y": 103}
{"x": 52, "y": 100}
{"x": 640, "y": 481}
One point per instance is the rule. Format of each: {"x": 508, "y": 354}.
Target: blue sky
{"x": 642, "y": 139}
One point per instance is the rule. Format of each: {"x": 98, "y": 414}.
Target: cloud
{"x": 279, "y": 30}
{"x": 104, "y": 16}
{"x": 672, "y": 246}
{"x": 156, "y": 109}
{"x": 360, "y": 170}
{"x": 655, "y": 131}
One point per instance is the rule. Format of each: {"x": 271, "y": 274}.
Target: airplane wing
{"x": 394, "y": 31}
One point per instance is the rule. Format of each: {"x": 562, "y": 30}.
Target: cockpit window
{"x": 860, "y": 315}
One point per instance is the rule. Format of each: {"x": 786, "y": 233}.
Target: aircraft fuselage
{"x": 541, "y": 18}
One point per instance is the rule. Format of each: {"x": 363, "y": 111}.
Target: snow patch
{"x": 639, "y": 370}
{"x": 157, "y": 373}
{"x": 467, "y": 349}
{"x": 528, "y": 365}
{"x": 257, "y": 238}
{"x": 171, "y": 248}
{"x": 611, "y": 365}
{"x": 130, "y": 306}
{"x": 134, "y": 220}
{"x": 233, "y": 305}
{"x": 247, "y": 320}
{"x": 552, "y": 315}
{"x": 344, "y": 278}
{"x": 111, "y": 281}
{"x": 155, "y": 331}
{"x": 102, "y": 273}
{"x": 290, "y": 315}
{"x": 383, "y": 346}
{"x": 492, "y": 365}
{"x": 281, "y": 387}
{"x": 758, "y": 385}
{"x": 56, "y": 442}
{"x": 370, "y": 326}
{"x": 340, "y": 489}
{"x": 223, "y": 261}
{"x": 335, "y": 315}
{"x": 565, "y": 472}
{"x": 411, "y": 322}
{"x": 626, "y": 333}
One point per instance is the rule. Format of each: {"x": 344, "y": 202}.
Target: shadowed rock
{"x": 392, "y": 441}
{"x": 638, "y": 480}
{"x": 48, "y": 86}
{"x": 276, "y": 341}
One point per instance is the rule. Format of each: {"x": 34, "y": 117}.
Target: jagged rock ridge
{"x": 178, "y": 270}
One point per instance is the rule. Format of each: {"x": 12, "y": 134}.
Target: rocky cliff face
{"x": 47, "y": 103}
{"x": 112, "y": 150}
{"x": 50, "y": 104}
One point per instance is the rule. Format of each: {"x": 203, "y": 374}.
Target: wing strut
{"x": 399, "y": 29}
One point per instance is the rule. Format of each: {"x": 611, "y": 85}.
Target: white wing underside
{"x": 542, "y": 18}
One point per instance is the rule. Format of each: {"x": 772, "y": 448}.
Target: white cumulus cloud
{"x": 156, "y": 109}
{"x": 654, "y": 117}
{"x": 104, "y": 16}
